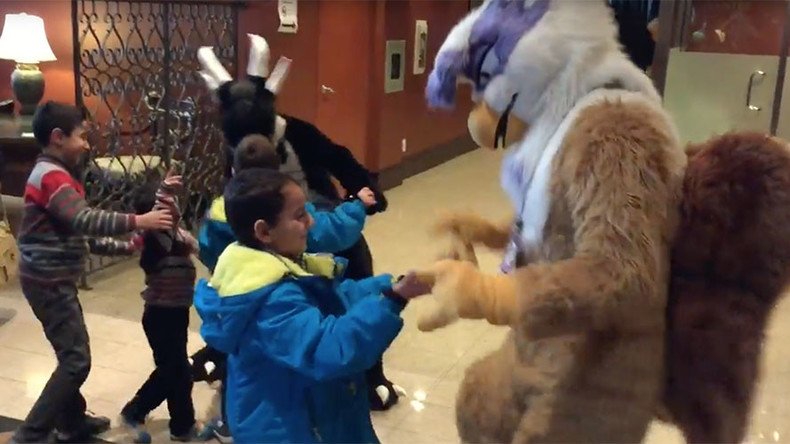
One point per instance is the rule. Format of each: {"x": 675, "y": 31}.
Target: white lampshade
{"x": 24, "y": 40}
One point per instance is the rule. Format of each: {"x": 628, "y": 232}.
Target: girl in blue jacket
{"x": 298, "y": 338}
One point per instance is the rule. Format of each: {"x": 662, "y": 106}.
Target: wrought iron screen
{"x": 136, "y": 75}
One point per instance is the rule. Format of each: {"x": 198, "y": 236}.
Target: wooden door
{"x": 345, "y": 48}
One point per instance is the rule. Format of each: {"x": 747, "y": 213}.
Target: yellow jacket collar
{"x": 217, "y": 210}
{"x": 241, "y": 270}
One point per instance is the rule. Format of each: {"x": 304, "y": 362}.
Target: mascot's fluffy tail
{"x": 731, "y": 263}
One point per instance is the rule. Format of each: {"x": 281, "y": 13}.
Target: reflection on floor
{"x": 428, "y": 366}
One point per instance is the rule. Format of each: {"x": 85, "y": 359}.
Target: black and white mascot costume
{"x": 247, "y": 106}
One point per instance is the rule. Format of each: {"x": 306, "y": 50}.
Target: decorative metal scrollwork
{"x": 136, "y": 76}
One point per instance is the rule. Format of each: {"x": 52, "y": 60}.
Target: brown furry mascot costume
{"x": 595, "y": 173}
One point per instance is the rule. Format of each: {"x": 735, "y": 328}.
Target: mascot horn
{"x": 617, "y": 252}
{"x": 247, "y": 106}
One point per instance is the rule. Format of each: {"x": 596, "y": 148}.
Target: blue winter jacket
{"x": 332, "y": 232}
{"x": 298, "y": 342}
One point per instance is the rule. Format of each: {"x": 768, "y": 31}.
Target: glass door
{"x": 781, "y": 122}
{"x": 723, "y": 66}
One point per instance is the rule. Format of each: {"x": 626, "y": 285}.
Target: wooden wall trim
{"x": 376, "y": 91}
{"x": 410, "y": 166}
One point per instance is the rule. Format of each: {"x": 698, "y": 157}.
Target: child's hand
{"x": 173, "y": 180}
{"x": 137, "y": 242}
{"x": 410, "y": 287}
{"x": 155, "y": 220}
{"x": 367, "y": 197}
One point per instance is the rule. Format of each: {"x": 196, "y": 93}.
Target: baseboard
{"x": 418, "y": 163}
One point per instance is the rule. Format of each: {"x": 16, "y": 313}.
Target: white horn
{"x": 211, "y": 82}
{"x": 280, "y": 72}
{"x": 258, "y": 63}
{"x": 212, "y": 68}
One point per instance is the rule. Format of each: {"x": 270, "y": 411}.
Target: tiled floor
{"x": 428, "y": 366}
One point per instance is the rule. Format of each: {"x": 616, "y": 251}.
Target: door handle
{"x": 327, "y": 90}
{"x": 758, "y": 73}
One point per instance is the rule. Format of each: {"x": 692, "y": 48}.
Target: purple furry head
{"x": 491, "y": 41}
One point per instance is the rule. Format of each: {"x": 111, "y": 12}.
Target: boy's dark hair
{"x": 251, "y": 195}
{"x": 53, "y": 115}
{"x": 255, "y": 151}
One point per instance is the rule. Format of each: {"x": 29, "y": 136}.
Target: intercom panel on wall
{"x": 394, "y": 65}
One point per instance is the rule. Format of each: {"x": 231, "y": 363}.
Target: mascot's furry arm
{"x": 319, "y": 153}
{"x": 606, "y": 184}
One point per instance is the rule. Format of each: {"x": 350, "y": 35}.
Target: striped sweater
{"x": 169, "y": 271}
{"x": 59, "y": 228}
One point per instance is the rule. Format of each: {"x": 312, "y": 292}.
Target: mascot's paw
{"x": 202, "y": 370}
{"x": 382, "y": 397}
{"x": 453, "y": 284}
{"x": 460, "y": 251}
{"x": 468, "y": 228}
{"x": 440, "y": 316}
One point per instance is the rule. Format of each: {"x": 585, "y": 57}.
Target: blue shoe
{"x": 136, "y": 429}
{"x": 196, "y": 434}
{"x": 222, "y": 433}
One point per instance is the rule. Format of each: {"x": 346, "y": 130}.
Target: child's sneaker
{"x": 136, "y": 429}
{"x": 197, "y": 433}
{"x": 218, "y": 430}
{"x": 93, "y": 426}
{"x": 222, "y": 433}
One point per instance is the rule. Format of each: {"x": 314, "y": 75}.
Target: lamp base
{"x": 25, "y": 122}
{"x": 27, "y": 82}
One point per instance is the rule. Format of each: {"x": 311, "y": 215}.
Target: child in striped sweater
{"x": 58, "y": 227}
{"x": 169, "y": 285}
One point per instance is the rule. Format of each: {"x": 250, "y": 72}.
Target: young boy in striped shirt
{"x": 170, "y": 276}
{"x": 57, "y": 229}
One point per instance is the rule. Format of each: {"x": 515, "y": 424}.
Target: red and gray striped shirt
{"x": 59, "y": 228}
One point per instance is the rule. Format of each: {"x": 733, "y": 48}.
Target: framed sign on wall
{"x": 395, "y": 51}
{"x": 420, "y": 46}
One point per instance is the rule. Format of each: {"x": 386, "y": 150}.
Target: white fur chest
{"x": 527, "y": 170}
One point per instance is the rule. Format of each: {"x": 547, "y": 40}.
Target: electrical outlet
{"x": 403, "y": 145}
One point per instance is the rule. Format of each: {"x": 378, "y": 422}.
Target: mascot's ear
{"x": 258, "y": 66}
{"x": 212, "y": 71}
{"x": 280, "y": 72}
{"x": 450, "y": 62}
{"x": 258, "y": 61}
{"x": 273, "y": 83}
{"x": 443, "y": 80}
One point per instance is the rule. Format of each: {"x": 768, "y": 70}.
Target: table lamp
{"x": 25, "y": 42}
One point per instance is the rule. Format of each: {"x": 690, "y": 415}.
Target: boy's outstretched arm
{"x": 60, "y": 195}
{"x": 336, "y": 230}
{"x": 296, "y": 334}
